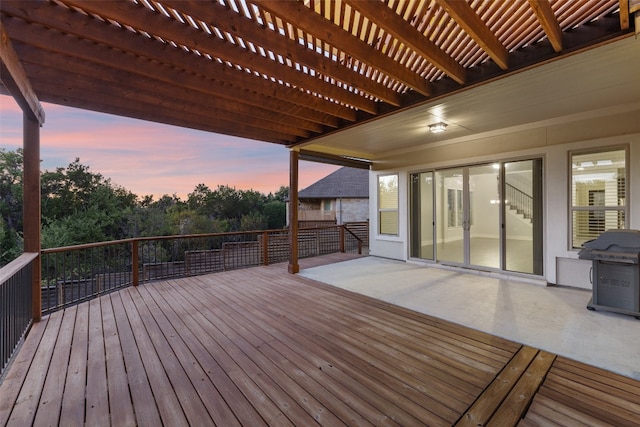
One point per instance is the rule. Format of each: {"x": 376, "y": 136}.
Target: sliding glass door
{"x": 484, "y": 215}
{"x": 523, "y": 216}
{"x": 450, "y": 216}
{"x": 421, "y": 211}
{"x": 481, "y": 216}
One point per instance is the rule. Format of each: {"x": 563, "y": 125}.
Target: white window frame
{"x": 387, "y": 210}
{"x": 624, "y": 208}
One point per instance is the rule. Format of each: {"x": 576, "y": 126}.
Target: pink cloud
{"x": 149, "y": 158}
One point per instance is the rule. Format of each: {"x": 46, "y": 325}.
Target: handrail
{"x": 16, "y": 265}
{"x": 513, "y": 187}
{"x": 519, "y": 200}
{"x": 16, "y": 299}
{"x": 174, "y": 236}
{"x": 77, "y": 273}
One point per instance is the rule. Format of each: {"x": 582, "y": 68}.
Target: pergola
{"x": 285, "y": 72}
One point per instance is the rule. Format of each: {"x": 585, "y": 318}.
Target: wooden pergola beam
{"x": 549, "y": 22}
{"x": 394, "y": 24}
{"x": 226, "y": 19}
{"x": 15, "y": 79}
{"x": 316, "y": 25}
{"x": 45, "y": 23}
{"x": 104, "y": 81}
{"x": 128, "y": 13}
{"x": 469, "y": 20}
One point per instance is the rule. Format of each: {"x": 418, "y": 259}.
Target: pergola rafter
{"x": 287, "y": 72}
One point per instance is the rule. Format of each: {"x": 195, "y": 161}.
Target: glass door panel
{"x": 450, "y": 219}
{"x": 523, "y": 216}
{"x": 484, "y": 215}
{"x": 422, "y": 215}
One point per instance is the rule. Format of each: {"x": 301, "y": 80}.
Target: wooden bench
{"x": 506, "y": 399}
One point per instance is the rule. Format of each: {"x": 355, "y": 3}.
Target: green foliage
{"x": 80, "y": 206}
{"x": 275, "y": 212}
{"x": 11, "y": 168}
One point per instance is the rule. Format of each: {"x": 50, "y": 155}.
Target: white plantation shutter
{"x": 388, "y": 204}
{"x": 598, "y": 194}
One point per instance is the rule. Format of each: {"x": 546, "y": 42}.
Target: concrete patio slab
{"x": 554, "y": 319}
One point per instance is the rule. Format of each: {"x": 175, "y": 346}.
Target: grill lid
{"x": 614, "y": 245}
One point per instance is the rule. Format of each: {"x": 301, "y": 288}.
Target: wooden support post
{"x": 31, "y": 205}
{"x": 135, "y": 263}
{"x": 294, "y": 267}
{"x": 265, "y": 248}
{"x": 342, "y": 238}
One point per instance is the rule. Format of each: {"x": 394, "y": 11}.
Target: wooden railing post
{"x": 294, "y": 267}
{"x": 135, "y": 263}
{"x": 265, "y": 248}
{"x": 342, "y": 238}
{"x": 31, "y": 207}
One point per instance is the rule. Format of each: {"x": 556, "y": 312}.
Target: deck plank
{"x": 194, "y": 410}
{"x": 73, "y": 399}
{"x": 97, "y": 392}
{"x": 549, "y": 409}
{"x": 145, "y": 407}
{"x": 351, "y": 359}
{"x": 48, "y": 412}
{"x": 120, "y": 401}
{"x": 486, "y": 405}
{"x": 218, "y": 409}
{"x": 291, "y": 404}
{"x": 262, "y": 347}
{"x": 167, "y": 401}
{"x": 14, "y": 380}
{"x": 270, "y": 359}
{"x": 347, "y": 332}
{"x": 520, "y": 397}
{"x": 27, "y": 402}
{"x": 450, "y": 348}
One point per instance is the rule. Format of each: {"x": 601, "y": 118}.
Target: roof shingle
{"x": 343, "y": 183}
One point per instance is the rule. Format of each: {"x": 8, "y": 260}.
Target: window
{"x": 598, "y": 189}
{"x": 388, "y": 204}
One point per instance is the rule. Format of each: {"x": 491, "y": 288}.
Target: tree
{"x": 79, "y": 206}
{"x": 11, "y": 167}
{"x": 275, "y": 212}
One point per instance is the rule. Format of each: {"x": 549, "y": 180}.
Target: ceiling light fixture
{"x": 437, "y": 127}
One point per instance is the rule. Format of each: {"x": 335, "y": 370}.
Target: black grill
{"x": 616, "y": 271}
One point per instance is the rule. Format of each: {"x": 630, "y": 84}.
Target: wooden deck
{"x": 262, "y": 347}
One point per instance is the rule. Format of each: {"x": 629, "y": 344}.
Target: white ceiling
{"x": 607, "y": 77}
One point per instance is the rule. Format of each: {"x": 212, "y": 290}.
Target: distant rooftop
{"x": 343, "y": 183}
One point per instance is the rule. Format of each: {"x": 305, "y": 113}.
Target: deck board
{"x": 262, "y": 347}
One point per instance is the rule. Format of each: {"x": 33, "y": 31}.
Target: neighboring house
{"x": 341, "y": 197}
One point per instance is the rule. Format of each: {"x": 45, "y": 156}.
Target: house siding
{"x": 352, "y": 210}
{"x": 553, "y": 143}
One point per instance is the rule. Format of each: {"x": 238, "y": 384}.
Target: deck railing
{"x": 15, "y": 305}
{"x": 79, "y": 273}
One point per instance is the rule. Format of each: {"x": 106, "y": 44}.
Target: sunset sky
{"x": 150, "y": 158}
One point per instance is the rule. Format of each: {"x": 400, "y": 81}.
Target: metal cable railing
{"x": 15, "y": 305}
{"x": 78, "y": 273}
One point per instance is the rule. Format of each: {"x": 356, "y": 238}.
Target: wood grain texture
{"x": 259, "y": 346}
